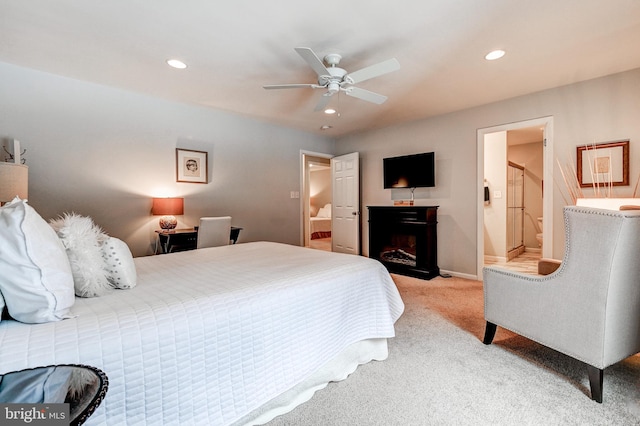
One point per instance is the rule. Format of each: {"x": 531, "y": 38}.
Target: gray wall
{"x": 106, "y": 152}
{"x": 599, "y": 110}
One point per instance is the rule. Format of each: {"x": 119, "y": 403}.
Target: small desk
{"x": 185, "y": 239}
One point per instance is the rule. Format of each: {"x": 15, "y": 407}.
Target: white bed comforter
{"x": 209, "y": 335}
{"x": 320, "y": 224}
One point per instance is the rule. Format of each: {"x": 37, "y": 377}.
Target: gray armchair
{"x": 589, "y": 308}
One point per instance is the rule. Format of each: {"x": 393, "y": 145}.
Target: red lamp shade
{"x": 167, "y": 208}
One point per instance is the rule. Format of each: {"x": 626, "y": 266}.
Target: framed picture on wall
{"x": 191, "y": 166}
{"x": 603, "y": 164}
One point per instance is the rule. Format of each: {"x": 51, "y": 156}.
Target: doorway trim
{"x": 547, "y": 199}
{"x": 304, "y": 185}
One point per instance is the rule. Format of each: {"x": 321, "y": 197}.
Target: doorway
{"x": 316, "y": 200}
{"x": 493, "y": 157}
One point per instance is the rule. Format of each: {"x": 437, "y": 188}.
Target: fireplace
{"x": 401, "y": 249}
{"x": 404, "y": 239}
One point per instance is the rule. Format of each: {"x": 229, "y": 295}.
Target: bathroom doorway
{"x": 507, "y": 228}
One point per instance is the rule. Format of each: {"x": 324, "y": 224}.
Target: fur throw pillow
{"x": 82, "y": 240}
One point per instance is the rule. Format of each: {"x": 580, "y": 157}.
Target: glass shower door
{"x": 515, "y": 206}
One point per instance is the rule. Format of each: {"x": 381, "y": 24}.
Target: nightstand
{"x": 185, "y": 239}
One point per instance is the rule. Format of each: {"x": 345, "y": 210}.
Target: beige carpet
{"x": 321, "y": 244}
{"x": 439, "y": 373}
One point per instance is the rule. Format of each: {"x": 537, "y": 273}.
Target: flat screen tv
{"x": 410, "y": 171}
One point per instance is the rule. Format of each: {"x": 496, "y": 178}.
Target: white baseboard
{"x": 460, "y": 275}
{"x": 494, "y": 259}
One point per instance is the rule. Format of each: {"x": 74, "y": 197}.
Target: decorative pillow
{"x": 121, "y": 271}
{"x": 83, "y": 240}
{"x": 35, "y": 276}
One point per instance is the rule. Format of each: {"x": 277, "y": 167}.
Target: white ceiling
{"x": 232, "y": 48}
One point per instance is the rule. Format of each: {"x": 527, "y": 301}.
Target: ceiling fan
{"x": 335, "y": 79}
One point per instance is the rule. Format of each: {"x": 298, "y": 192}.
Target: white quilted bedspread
{"x": 211, "y": 334}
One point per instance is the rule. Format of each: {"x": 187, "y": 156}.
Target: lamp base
{"x": 168, "y": 222}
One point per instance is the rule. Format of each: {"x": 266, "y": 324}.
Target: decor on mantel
{"x": 14, "y": 176}
{"x": 168, "y": 208}
{"x": 191, "y": 166}
{"x": 405, "y": 202}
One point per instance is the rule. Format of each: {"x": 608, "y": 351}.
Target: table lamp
{"x": 167, "y": 208}
{"x": 14, "y": 181}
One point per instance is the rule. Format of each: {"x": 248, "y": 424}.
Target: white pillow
{"x": 35, "y": 277}
{"x": 324, "y": 211}
{"x": 2, "y": 305}
{"x": 121, "y": 271}
{"x": 83, "y": 240}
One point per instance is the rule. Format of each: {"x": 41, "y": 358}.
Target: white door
{"x": 345, "y": 175}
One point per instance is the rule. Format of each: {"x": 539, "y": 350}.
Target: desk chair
{"x": 214, "y": 231}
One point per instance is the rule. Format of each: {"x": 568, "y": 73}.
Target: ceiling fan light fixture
{"x": 335, "y": 79}
{"x": 333, "y": 88}
{"x": 175, "y": 63}
{"x": 494, "y": 54}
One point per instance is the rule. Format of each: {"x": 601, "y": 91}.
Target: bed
{"x": 320, "y": 225}
{"x": 225, "y": 335}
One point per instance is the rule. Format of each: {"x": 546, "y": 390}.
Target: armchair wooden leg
{"x": 596, "y": 376}
{"x": 489, "y": 333}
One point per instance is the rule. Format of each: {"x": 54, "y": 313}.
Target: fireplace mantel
{"x": 404, "y": 239}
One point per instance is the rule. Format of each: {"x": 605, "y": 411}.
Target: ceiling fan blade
{"x": 312, "y": 59}
{"x": 365, "y": 95}
{"x": 373, "y": 71}
{"x": 324, "y": 101}
{"x": 290, "y": 86}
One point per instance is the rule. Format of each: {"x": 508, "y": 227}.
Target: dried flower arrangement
{"x": 11, "y": 158}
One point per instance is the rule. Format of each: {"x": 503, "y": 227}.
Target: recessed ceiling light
{"x": 329, "y": 111}
{"x": 495, "y": 54}
{"x": 326, "y": 127}
{"x": 176, "y": 64}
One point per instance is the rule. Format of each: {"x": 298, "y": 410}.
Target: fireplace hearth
{"x": 404, "y": 239}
